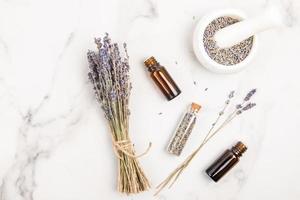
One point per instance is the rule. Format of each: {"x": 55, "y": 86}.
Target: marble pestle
{"x": 272, "y": 17}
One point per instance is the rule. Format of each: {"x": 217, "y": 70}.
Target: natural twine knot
{"x": 126, "y": 147}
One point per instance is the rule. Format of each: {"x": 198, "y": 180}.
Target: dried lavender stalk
{"x": 109, "y": 74}
{"x": 239, "y": 109}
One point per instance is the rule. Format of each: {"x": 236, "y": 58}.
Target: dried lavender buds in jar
{"x": 184, "y": 130}
{"x": 225, "y": 56}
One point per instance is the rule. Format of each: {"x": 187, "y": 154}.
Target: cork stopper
{"x": 239, "y": 148}
{"x": 151, "y": 62}
{"x": 195, "y": 107}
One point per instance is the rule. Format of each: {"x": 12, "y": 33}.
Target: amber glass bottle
{"x": 162, "y": 79}
{"x": 226, "y": 161}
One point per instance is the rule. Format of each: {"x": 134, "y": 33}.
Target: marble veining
{"x": 54, "y": 141}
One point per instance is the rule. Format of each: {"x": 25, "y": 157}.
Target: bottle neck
{"x": 152, "y": 64}
{"x": 239, "y": 149}
{"x": 154, "y": 68}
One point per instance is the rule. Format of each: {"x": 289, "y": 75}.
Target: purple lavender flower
{"x": 109, "y": 74}
{"x": 249, "y": 106}
{"x": 250, "y": 94}
{"x": 113, "y": 95}
{"x": 91, "y": 78}
{"x": 238, "y": 106}
{"x": 98, "y": 42}
{"x": 231, "y": 94}
{"x": 239, "y": 112}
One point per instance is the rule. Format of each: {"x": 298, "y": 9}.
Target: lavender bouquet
{"x": 109, "y": 74}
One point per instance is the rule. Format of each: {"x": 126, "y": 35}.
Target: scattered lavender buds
{"x": 225, "y": 56}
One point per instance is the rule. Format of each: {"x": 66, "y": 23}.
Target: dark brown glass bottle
{"x": 226, "y": 161}
{"x": 162, "y": 79}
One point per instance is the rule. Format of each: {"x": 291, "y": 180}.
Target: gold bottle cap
{"x": 150, "y": 62}
{"x": 195, "y": 107}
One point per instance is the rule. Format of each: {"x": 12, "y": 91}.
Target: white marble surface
{"x": 54, "y": 141}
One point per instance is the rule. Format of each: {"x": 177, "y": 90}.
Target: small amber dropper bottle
{"x": 226, "y": 161}
{"x": 162, "y": 79}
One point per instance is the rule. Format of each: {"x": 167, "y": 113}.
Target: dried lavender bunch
{"x": 238, "y": 110}
{"x": 109, "y": 74}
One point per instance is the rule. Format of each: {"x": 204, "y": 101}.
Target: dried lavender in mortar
{"x": 225, "y": 56}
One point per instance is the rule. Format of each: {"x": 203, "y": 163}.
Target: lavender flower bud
{"x": 249, "y": 106}
{"x": 239, "y": 112}
{"x": 249, "y": 95}
{"x": 112, "y": 95}
{"x": 98, "y": 42}
{"x": 126, "y": 52}
{"x": 238, "y": 106}
{"x": 231, "y": 94}
{"x": 91, "y": 77}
